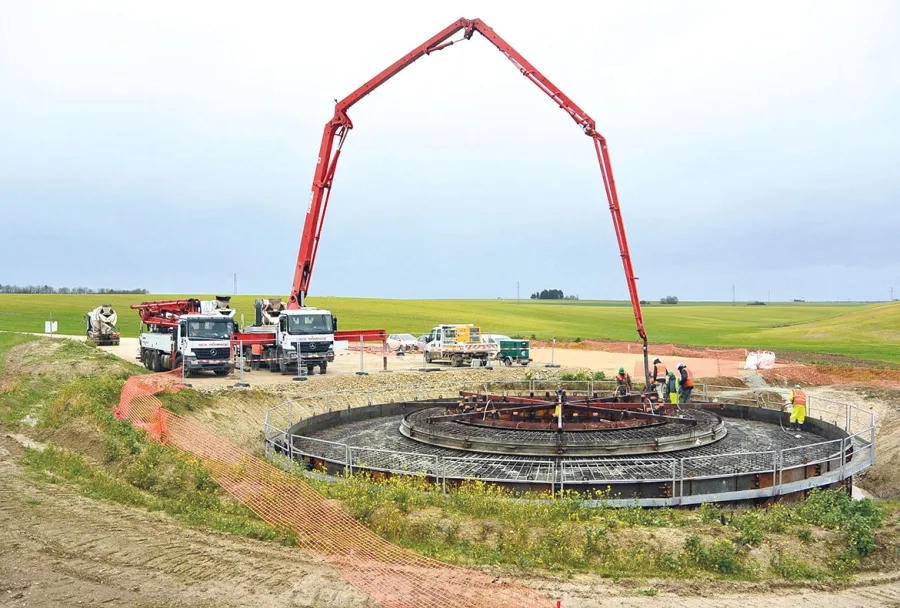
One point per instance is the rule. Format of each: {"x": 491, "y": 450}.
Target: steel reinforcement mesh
{"x": 388, "y": 574}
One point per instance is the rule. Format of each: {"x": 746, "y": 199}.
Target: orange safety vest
{"x": 256, "y": 349}
{"x": 799, "y": 397}
{"x": 660, "y": 371}
{"x": 689, "y": 383}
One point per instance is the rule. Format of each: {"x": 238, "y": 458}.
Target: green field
{"x": 869, "y": 331}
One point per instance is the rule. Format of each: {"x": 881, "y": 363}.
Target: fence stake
{"x": 362, "y": 362}
{"x": 552, "y": 353}
{"x": 241, "y": 382}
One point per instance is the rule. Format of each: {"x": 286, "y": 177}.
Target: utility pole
{"x": 235, "y": 283}
{"x": 517, "y": 292}
{"x": 732, "y": 295}
{"x": 892, "y": 293}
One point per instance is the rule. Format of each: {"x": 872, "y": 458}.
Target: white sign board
{"x": 49, "y": 327}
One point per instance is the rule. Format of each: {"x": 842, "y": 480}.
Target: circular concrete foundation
{"x": 699, "y": 453}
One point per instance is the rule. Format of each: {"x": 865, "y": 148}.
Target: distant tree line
{"x": 551, "y": 294}
{"x": 669, "y": 300}
{"x": 66, "y": 290}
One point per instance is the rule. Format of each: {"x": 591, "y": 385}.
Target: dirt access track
{"x": 349, "y": 362}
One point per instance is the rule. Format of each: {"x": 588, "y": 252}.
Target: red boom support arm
{"x": 337, "y": 128}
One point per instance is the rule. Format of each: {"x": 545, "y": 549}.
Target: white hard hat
{"x": 796, "y": 386}
{"x": 680, "y": 365}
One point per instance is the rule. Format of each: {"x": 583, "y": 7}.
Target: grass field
{"x": 869, "y": 331}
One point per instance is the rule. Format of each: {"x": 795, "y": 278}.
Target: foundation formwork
{"x": 734, "y": 452}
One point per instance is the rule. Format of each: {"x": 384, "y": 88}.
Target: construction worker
{"x": 658, "y": 377}
{"x": 687, "y": 383}
{"x": 672, "y": 388}
{"x": 623, "y": 382}
{"x": 798, "y": 411}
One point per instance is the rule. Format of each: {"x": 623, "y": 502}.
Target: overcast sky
{"x": 169, "y": 145}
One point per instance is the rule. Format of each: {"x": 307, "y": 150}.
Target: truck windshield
{"x": 218, "y": 329}
{"x": 309, "y": 324}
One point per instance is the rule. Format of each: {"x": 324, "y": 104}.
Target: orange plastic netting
{"x": 387, "y": 573}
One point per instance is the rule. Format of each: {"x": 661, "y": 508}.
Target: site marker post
{"x": 552, "y": 353}
{"x": 362, "y": 353}
{"x": 240, "y": 382}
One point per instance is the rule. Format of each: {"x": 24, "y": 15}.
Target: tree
{"x": 548, "y": 294}
{"x": 668, "y": 300}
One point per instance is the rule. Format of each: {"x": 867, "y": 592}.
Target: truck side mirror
{"x": 334, "y": 322}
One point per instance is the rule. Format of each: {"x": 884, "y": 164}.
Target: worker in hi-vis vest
{"x": 686, "y": 382}
{"x": 658, "y": 378}
{"x": 798, "y": 411}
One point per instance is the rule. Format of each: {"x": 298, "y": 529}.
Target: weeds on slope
{"x": 108, "y": 459}
{"x": 828, "y": 536}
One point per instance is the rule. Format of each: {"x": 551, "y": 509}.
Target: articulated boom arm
{"x": 337, "y": 128}
{"x": 166, "y": 312}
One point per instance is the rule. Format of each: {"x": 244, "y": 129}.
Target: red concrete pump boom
{"x": 166, "y": 312}
{"x": 337, "y": 128}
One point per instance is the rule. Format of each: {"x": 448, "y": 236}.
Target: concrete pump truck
{"x": 193, "y": 332}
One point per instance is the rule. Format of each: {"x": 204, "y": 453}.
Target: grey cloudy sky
{"x": 169, "y": 145}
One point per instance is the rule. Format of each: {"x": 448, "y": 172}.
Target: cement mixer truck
{"x": 101, "y": 326}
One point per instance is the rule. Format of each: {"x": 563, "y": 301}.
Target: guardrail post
{"x": 775, "y": 474}
{"x": 444, "y": 476}
{"x": 291, "y": 448}
{"x": 705, "y": 392}
{"x": 552, "y": 478}
{"x": 347, "y": 466}
{"x": 674, "y": 480}
{"x": 847, "y": 419}
{"x": 681, "y": 492}
{"x": 290, "y": 415}
{"x": 349, "y": 457}
{"x": 844, "y": 454}
{"x": 562, "y": 478}
{"x": 780, "y": 468}
{"x": 872, "y": 442}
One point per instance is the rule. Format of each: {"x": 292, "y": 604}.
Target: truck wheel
{"x": 221, "y": 372}
{"x": 282, "y": 364}
{"x": 323, "y": 367}
{"x": 507, "y": 361}
{"x": 155, "y": 365}
{"x": 310, "y": 370}
{"x": 457, "y": 361}
{"x": 427, "y": 357}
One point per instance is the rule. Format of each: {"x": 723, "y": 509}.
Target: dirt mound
{"x": 660, "y": 350}
{"x": 78, "y": 436}
{"x": 729, "y": 381}
{"x": 824, "y": 375}
{"x": 63, "y": 360}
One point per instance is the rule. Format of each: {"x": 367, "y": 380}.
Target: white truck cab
{"x": 308, "y": 331}
{"x": 202, "y": 341}
{"x": 459, "y": 344}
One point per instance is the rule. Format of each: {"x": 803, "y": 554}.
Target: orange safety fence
{"x": 388, "y": 574}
